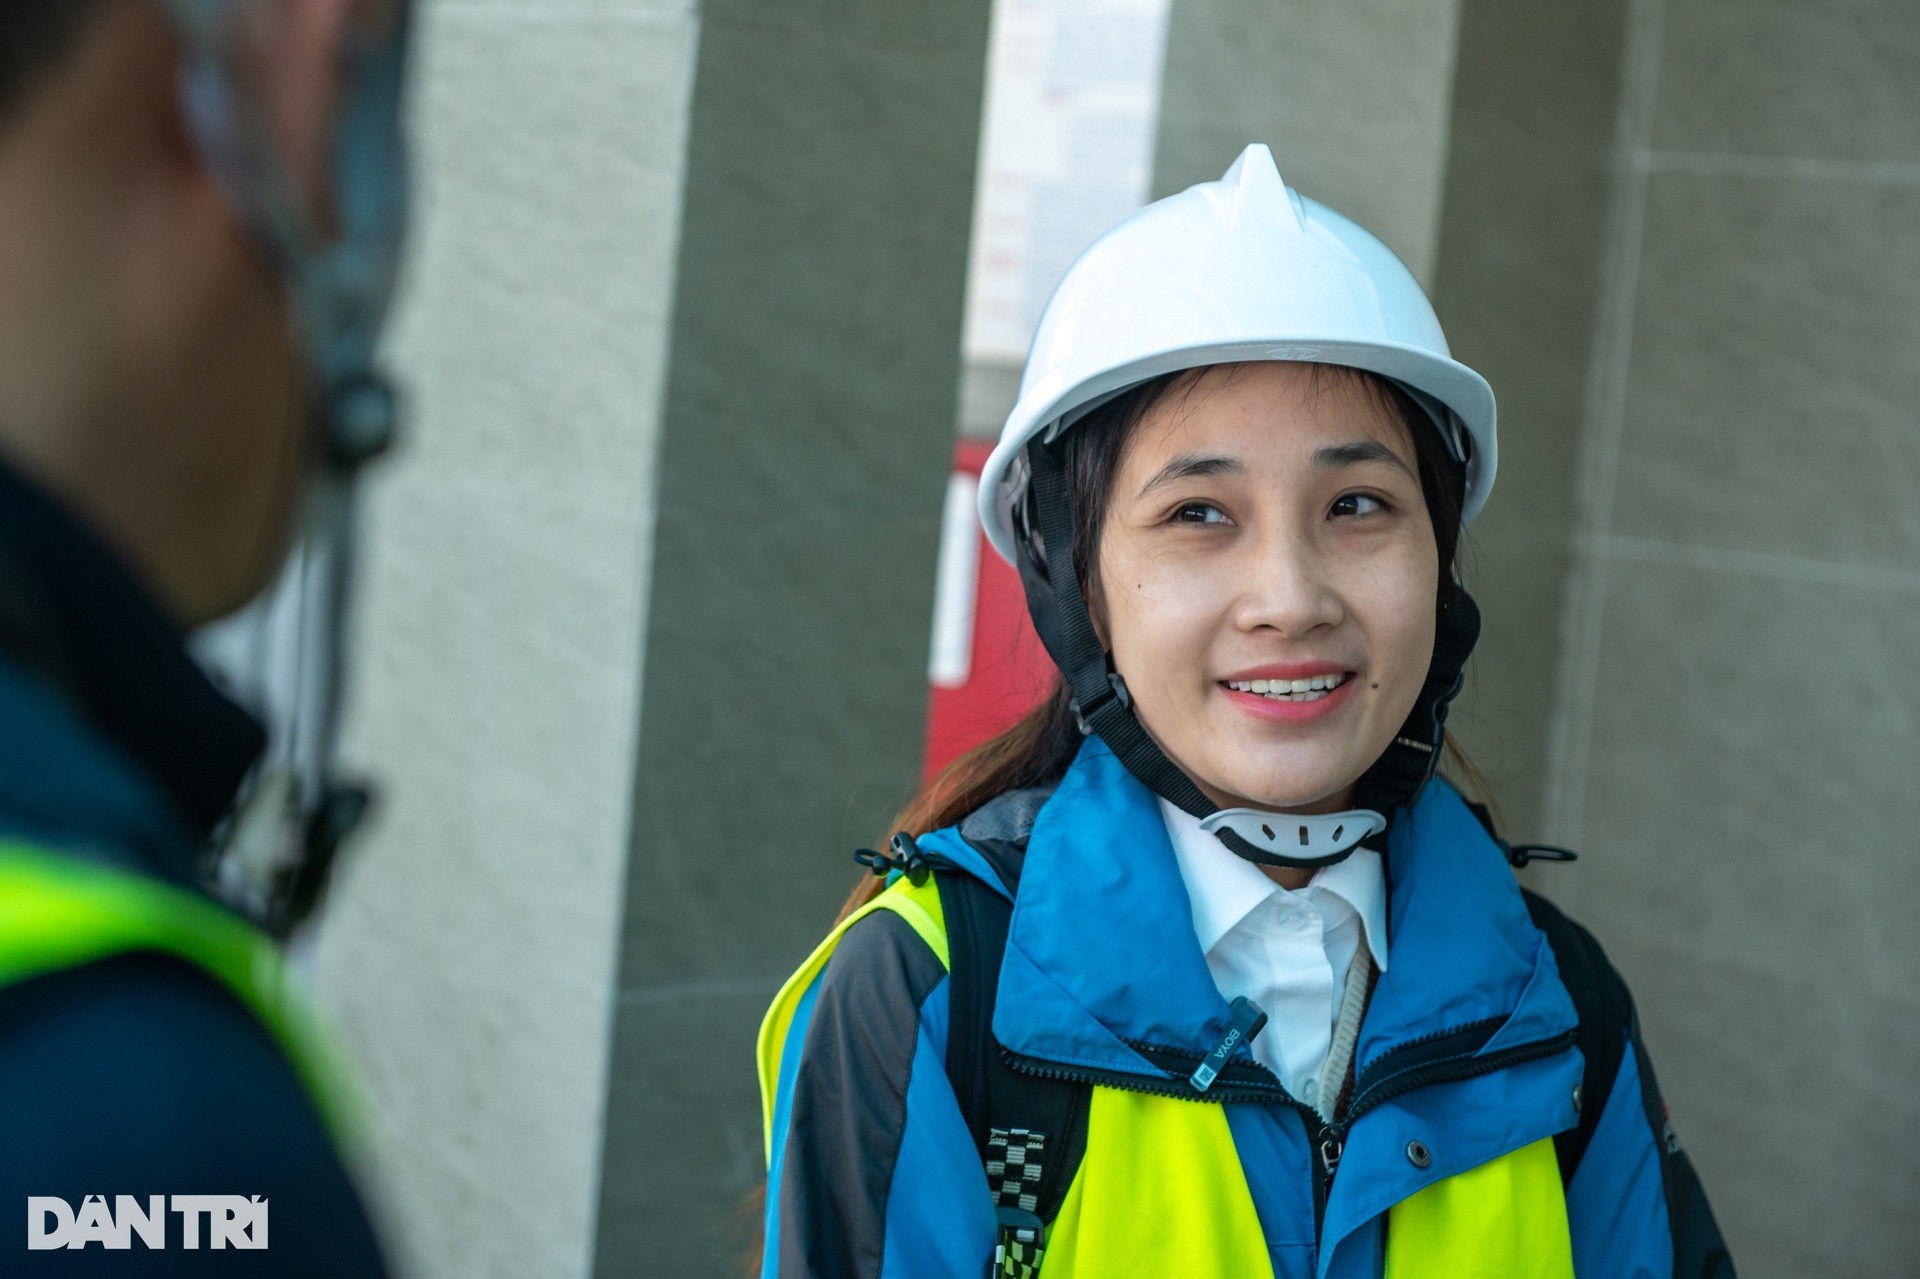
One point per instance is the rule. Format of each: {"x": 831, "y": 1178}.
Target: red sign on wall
{"x": 987, "y": 667}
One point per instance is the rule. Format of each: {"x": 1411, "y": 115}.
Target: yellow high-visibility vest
{"x": 1160, "y": 1189}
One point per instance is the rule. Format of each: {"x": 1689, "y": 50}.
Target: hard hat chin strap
{"x": 1412, "y": 757}
{"x": 1103, "y": 706}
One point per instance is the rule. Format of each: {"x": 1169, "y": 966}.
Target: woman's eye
{"x": 1353, "y": 504}
{"x": 1199, "y": 513}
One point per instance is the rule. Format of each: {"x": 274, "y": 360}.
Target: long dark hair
{"x": 1037, "y": 749}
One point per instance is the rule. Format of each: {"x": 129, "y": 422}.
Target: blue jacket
{"x": 874, "y": 1172}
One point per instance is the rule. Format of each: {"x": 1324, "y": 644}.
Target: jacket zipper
{"x": 1327, "y": 1140}
{"x": 1333, "y": 1136}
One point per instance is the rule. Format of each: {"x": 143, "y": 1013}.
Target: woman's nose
{"x": 1286, "y": 589}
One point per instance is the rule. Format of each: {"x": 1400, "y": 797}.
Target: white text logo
{"x": 232, "y": 1221}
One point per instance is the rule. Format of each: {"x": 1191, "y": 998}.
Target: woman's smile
{"x": 1292, "y": 693}
{"x": 1268, "y": 580}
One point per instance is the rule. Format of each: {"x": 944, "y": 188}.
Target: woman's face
{"x": 1266, "y": 534}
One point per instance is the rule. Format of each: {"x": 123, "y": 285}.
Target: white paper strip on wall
{"x": 953, "y": 590}
{"x": 1066, "y": 150}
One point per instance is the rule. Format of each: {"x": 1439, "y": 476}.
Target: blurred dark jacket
{"x": 138, "y": 1074}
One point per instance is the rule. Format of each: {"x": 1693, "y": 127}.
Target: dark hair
{"x": 34, "y": 35}
{"x": 1037, "y": 749}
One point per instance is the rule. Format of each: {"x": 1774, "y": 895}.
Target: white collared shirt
{"x": 1287, "y": 951}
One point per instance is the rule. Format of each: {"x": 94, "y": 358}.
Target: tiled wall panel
{"x": 1741, "y": 712}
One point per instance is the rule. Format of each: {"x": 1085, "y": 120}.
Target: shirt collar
{"x": 1223, "y": 888}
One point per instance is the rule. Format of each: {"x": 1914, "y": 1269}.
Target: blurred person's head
{"x": 153, "y": 373}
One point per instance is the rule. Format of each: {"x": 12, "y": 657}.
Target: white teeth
{"x": 1311, "y": 689}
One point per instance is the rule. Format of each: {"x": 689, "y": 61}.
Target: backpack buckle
{"x": 1025, "y": 1228}
{"x": 903, "y": 856}
{"x": 1023, "y": 1242}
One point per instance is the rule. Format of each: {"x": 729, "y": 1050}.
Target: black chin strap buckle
{"x": 1400, "y": 774}
{"x": 902, "y": 855}
{"x": 1116, "y": 691}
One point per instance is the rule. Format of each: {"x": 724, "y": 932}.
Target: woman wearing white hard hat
{"x": 1201, "y": 969}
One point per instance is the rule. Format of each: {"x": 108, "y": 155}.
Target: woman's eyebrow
{"x": 1188, "y": 465}
{"x": 1353, "y": 454}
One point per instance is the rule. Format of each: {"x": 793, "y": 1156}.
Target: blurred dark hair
{"x": 1037, "y": 749}
{"x": 34, "y": 36}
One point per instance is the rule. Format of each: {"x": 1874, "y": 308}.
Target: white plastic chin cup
{"x": 1307, "y": 836}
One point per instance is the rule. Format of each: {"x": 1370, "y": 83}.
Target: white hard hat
{"x": 1236, "y": 270}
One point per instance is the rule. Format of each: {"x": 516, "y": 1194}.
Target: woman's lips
{"x": 1305, "y": 697}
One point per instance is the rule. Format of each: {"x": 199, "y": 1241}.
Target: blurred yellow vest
{"x": 58, "y": 912}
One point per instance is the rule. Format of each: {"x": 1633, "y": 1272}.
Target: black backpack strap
{"x": 1031, "y": 1132}
{"x": 1699, "y": 1250}
{"x": 1608, "y": 1023}
{"x": 1605, "y": 1010}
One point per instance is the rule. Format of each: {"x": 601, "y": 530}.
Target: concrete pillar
{"x": 1737, "y": 732}
{"x": 469, "y": 947}
{"x": 808, "y": 423}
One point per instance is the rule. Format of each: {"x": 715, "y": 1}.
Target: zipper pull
{"x": 1246, "y": 1021}
{"x": 1332, "y": 1146}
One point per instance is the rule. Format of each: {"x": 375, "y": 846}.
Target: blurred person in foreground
{"x": 201, "y": 203}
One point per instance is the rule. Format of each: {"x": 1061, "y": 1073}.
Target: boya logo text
{"x": 233, "y": 1221}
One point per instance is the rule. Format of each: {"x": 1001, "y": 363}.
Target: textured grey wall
{"x": 808, "y": 425}
{"x": 469, "y": 945}
{"x": 1741, "y": 717}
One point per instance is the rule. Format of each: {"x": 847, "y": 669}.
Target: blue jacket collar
{"x": 1101, "y": 955}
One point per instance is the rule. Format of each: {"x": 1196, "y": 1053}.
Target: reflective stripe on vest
{"x": 1160, "y": 1188}
{"x": 919, "y": 905}
{"x": 58, "y": 912}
